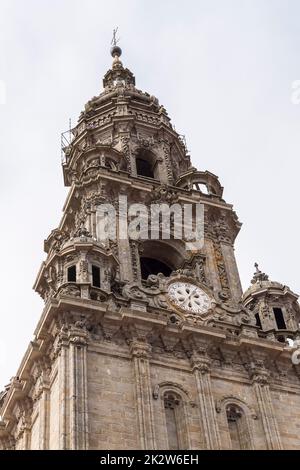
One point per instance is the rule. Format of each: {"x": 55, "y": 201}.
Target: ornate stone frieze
{"x": 70, "y": 290}
{"x": 164, "y": 194}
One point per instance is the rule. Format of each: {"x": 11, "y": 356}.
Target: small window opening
{"x": 201, "y": 187}
{"x": 72, "y": 274}
{"x": 96, "y": 276}
{"x": 279, "y": 319}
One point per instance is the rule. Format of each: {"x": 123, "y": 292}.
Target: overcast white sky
{"x": 223, "y": 69}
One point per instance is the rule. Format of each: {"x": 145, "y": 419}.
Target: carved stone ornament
{"x": 258, "y": 373}
{"x": 163, "y": 194}
{"x": 152, "y": 292}
{"x": 70, "y": 290}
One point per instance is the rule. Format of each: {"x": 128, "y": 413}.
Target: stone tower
{"x": 143, "y": 343}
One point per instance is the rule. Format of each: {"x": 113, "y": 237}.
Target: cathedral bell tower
{"x": 148, "y": 342}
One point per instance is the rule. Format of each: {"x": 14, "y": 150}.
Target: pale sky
{"x": 223, "y": 69}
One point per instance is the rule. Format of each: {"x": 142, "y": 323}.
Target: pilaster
{"x": 141, "y": 352}
{"x": 78, "y": 388}
{"x": 201, "y": 366}
{"x": 260, "y": 382}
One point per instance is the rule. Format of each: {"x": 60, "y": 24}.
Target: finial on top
{"x": 115, "y": 50}
{"x": 117, "y": 76}
{"x": 258, "y": 275}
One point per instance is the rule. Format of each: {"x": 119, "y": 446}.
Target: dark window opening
{"x": 258, "y": 322}
{"x": 96, "y": 276}
{"x": 144, "y": 168}
{"x": 154, "y": 266}
{"x": 279, "y": 319}
{"x": 72, "y": 274}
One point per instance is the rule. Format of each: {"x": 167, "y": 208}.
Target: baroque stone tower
{"x": 144, "y": 344}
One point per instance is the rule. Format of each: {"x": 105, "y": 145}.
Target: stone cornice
{"x": 145, "y": 324}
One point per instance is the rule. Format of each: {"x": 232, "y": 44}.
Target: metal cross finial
{"x": 115, "y": 40}
{"x": 258, "y": 275}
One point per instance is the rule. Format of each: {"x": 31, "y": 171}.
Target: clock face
{"x": 189, "y": 297}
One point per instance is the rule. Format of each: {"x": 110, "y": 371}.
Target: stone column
{"x": 61, "y": 353}
{"x": 44, "y": 392}
{"x": 260, "y": 381}
{"x": 141, "y": 352}
{"x": 83, "y": 277}
{"x": 78, "y": 337}
{"x": 93, "y": 223}
{"x": 201, "y": 369}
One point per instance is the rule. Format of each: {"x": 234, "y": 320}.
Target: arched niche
{"x": 167, "y": 254}
{"x": 235, "y": 423}
{"x": 202, "y": 181}
{"x": 147, "y": 164}
{"x": 174, "y": 416}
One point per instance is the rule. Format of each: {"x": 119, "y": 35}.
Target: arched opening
{"x": 175, "y": 421}
{"x": 238, "y": 428}
{"x": 144, "y": 168}
{"x": 153, "y": 266}
{"x": 170, "y": 404}
{"x": 161, "y": 256}
{"x": 202, "y": 187}
{"x": 146, "y": 164}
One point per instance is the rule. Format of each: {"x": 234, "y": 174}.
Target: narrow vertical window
{"x": 171, "y": 404}
{"x": 279, "y": 319}
{"x": 72, "y": 274}
{"x": 258, "y": 322}
{"x": 96, "y": 276}
{"x": 238, "y": 428}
